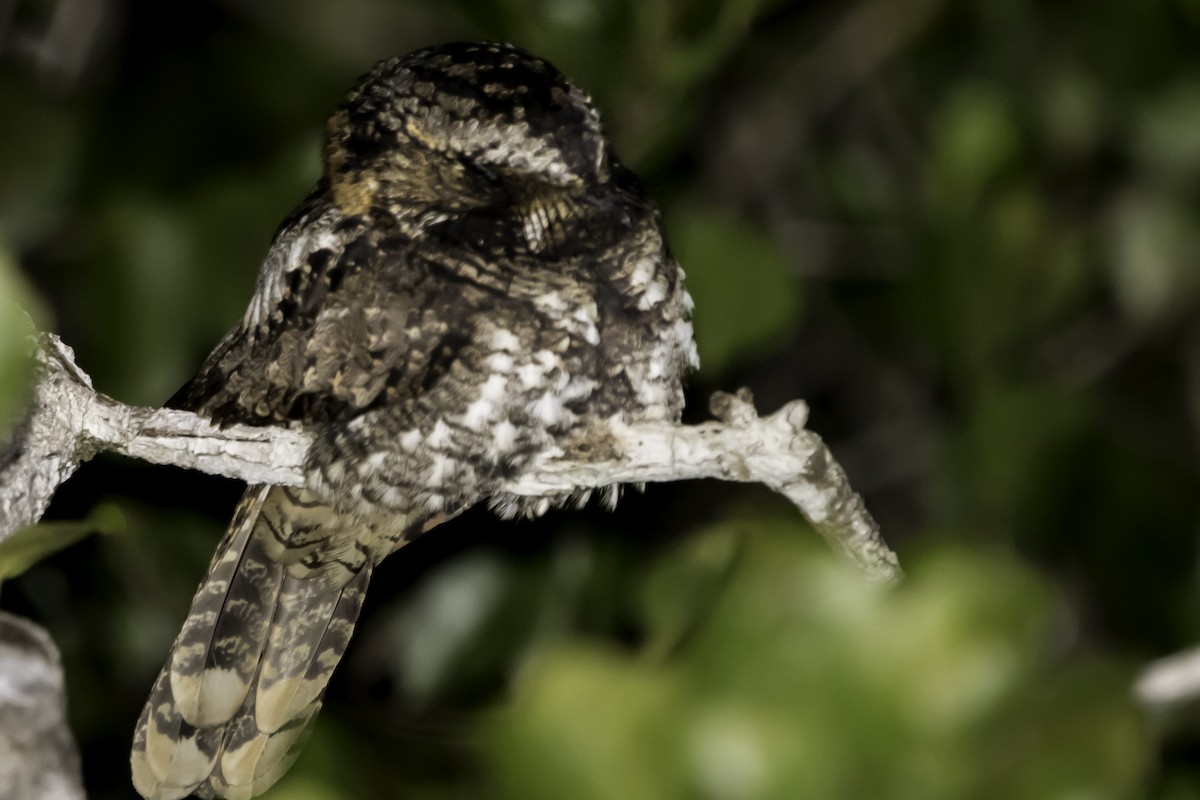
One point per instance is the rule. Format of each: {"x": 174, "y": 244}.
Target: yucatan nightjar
{"x": 474, "y": 278}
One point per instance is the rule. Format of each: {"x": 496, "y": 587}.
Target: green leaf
{"x": 746, "y": 294}
{"x": 675, "y": 593}
{"x": 589, "y": 724}
{"x": 17, "y": 304}
{"x": 28, "y": 546}
{"x": 974, "y": 137}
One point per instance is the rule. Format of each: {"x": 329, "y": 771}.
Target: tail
{"x": 246, "y": 674}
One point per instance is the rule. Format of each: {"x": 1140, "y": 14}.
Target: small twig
{"x": 69, "y": 422}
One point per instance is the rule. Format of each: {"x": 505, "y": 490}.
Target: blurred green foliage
{"x": 800, "y": 681}
{"x": 18, "y": 310}
{"x": 965, "y": 232}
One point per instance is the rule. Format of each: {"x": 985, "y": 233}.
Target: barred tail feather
{"x": 311, "y": 630}
{"x": 247, "y": 672}
{"x": 217, "y": 653}
{"x": 170, "y": 758}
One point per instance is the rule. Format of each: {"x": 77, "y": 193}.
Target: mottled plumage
{"x": 474, "y": 278}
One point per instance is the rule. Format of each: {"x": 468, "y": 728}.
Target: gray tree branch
{"x": 69, "y": 422}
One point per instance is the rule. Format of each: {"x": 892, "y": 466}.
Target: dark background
{"x": 965, "y": 232}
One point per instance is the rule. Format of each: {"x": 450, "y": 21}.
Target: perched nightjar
{"x": 474, "y": 278}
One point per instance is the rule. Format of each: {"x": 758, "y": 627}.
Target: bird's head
{"x": 461, "y": 127}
